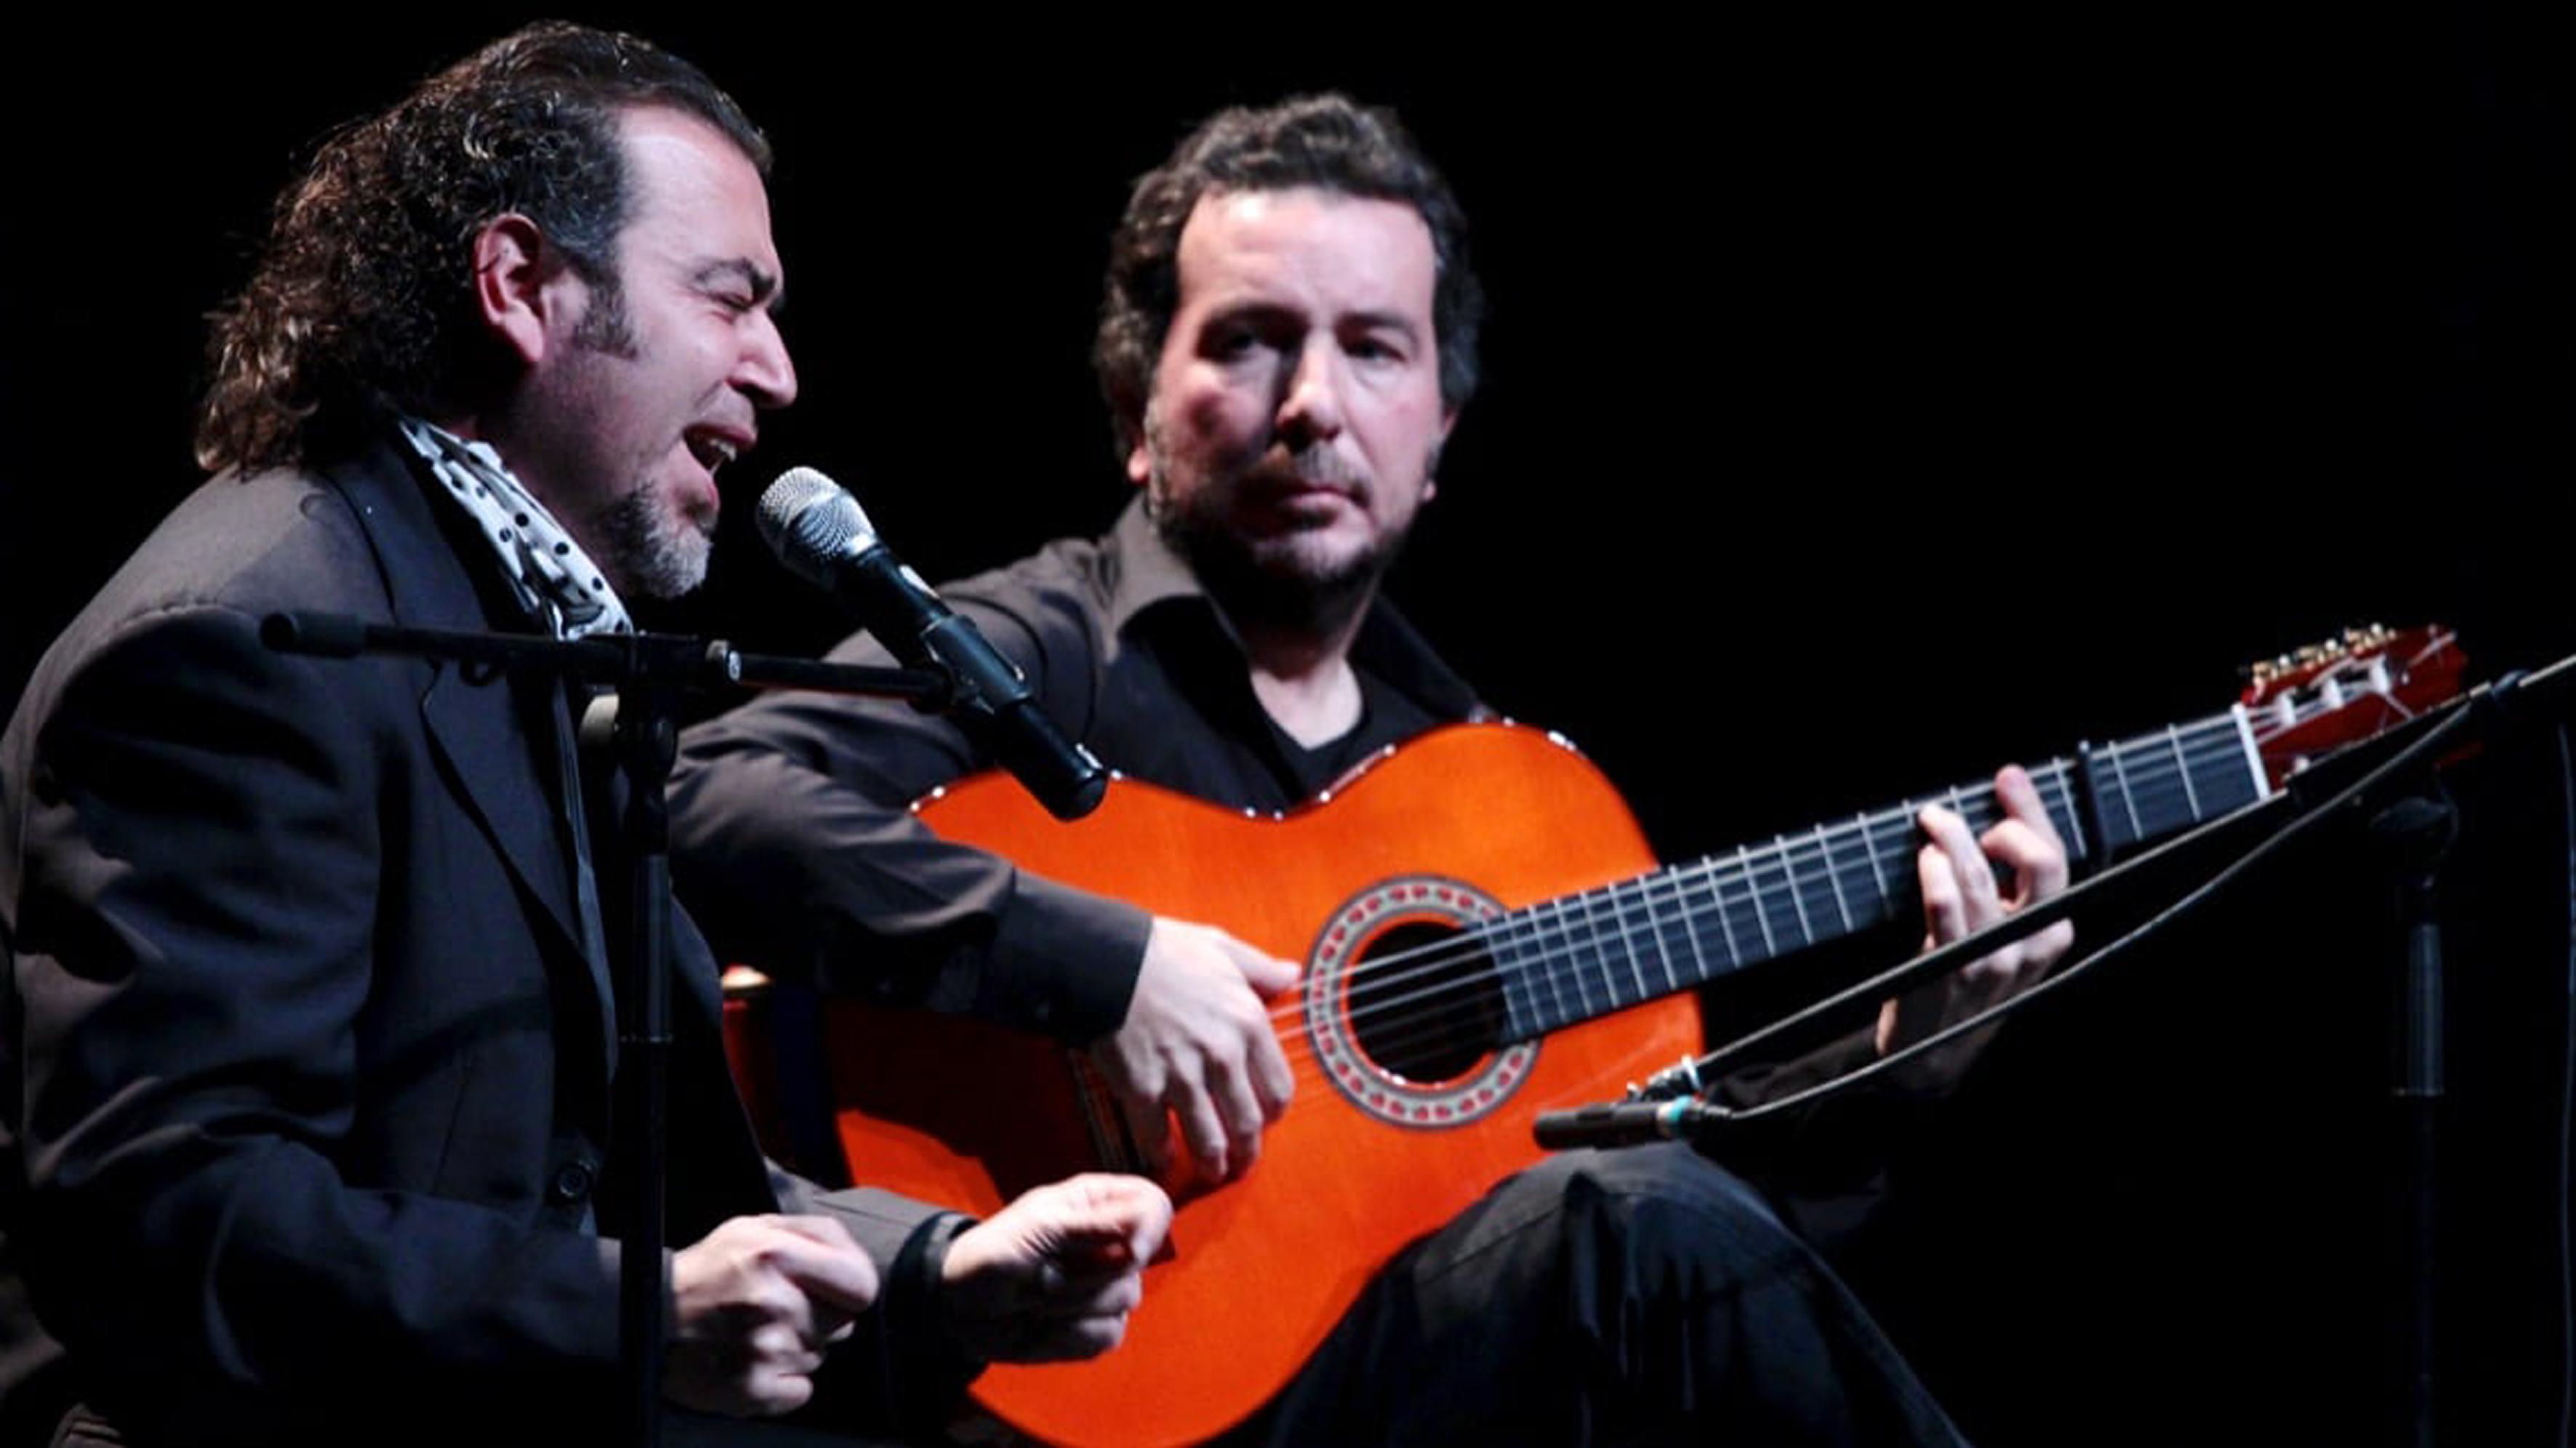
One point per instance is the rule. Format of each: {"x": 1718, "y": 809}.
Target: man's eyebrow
{"x": 765, "y": 287}
{"x": 1393, "y": 321}
{"x": 1265, "y": 309}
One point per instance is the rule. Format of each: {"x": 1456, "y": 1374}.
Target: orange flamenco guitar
{"x": 1453, "y": 989}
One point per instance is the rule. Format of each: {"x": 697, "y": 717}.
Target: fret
{"x": 1892, "y": 861}
{"x": 1794, "y": 885}
{"x": 2061, "y": 811}
{"x": 1761, "y": 917}
{"x": 1787, "y": 887}
{"x": 2158, "y": 783}
{"x": 1533, "y": 965}
{"x": 1591, "y": 965}
{"x": 1842, "y": 906}
{"x": 1617, "y": 954}
{"x": 1717, "y": 897}
{"x": 1877, "y": 866}
{"x": 1561, "y": 909}
{"x": 2173, "y": 736}
{"x": 1789, "y": 878}
{"x": 1649, "y": 929}
{"x": 2178, "y": 797}
{"x": 1628, "y": 942}
{"x": 1815, "y": 889}
{"x": 1607, "y": 946}
{"x": 1586, "y": 970}
{"x": 1545, "y": 931}
{"x": 1690, "y": 927}
{"x": 1545, "y": 947}
{"x": 2241, "y": 724}
{"x": 2128, "y": 801}
{"x": 2155, "y": 800}
{"x": 1660, "y": 920}
{"x": 2228, "y": 777}
{"x": 1501, "y": 939}
{"x": 1658, "y": 926}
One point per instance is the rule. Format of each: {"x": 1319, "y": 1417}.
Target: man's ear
{"x": 1140, "y": 452}
{"x": 526, "y": 292}
{"x": 1431, "y": 477}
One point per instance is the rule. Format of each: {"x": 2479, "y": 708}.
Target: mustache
{"x": 1314, "y": 465}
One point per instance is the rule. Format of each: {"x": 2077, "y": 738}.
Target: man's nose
{"x": 765, "y": 371}
{"x": 1310, "y": 408}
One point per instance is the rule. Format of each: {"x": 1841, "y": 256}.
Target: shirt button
{"x": 573, "y": 1181}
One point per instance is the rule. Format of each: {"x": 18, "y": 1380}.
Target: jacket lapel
{"x": 485, "y": 730}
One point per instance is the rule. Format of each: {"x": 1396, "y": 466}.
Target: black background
{"x": 1868, "y": 399}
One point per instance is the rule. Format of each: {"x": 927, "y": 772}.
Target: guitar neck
{"x": 1581, "y": 956}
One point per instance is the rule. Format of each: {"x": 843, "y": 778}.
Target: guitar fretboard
{"x": 1580, "y": 956}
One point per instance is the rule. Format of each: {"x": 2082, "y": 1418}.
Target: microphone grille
{"x": 807, "y": 519}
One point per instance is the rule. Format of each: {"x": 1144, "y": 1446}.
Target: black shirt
{"x": 792, "y": 831}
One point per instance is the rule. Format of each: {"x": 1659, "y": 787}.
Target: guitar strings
{"x": 2196, "y": 744}
{"x": 1383, "y": 989}
{"x": 1390, "y": 982}
{"x": 2191, "y": 746}
{"x": 1554, "y": 966}
{"x": 2159, "y": 786}
{"x": 1789, "y": 857}
{"x": 1542, "y": 970}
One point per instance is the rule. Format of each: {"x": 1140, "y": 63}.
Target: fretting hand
{"x": 1961, "y": 895}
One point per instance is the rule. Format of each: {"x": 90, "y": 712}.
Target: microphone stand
{"x": 651, "y": 674}
{"x": 2412, "y": 837}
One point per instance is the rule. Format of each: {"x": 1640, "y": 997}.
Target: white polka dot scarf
{"x": 557, "y": 582}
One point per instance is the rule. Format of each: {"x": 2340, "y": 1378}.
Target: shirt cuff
{"x": 1063, "y": 962}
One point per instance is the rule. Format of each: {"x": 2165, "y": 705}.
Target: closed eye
{"x": 739, "y": 286}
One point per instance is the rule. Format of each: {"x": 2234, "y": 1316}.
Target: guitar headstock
{"x": 2304, "y": 703}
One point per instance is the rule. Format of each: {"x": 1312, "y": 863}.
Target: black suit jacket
{"x": 309, "y": 1099}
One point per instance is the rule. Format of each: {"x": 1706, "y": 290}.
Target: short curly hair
{"x": 1323, "y": 141}
{"x": 363, "y": 295}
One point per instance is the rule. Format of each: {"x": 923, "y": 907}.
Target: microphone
{"x": 1626, "y": 1124}
{"x": 817, "y": 530}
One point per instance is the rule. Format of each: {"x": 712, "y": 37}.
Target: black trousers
{"x": 1644, "y": 1296}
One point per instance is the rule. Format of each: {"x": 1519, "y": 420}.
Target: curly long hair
{"x": 363, "y": 296}
{"x": 1323, "y": 141}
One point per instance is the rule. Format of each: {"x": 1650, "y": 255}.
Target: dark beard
{"x": 644, "y": 553}
{"x": 1273, "y": 601}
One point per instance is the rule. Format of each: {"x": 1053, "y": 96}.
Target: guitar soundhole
{"x": 1424, "y": 1004}
{"x": 1404, "y": 1009}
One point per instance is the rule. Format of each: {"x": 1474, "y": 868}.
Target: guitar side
{"x": 1258, "y": 1271}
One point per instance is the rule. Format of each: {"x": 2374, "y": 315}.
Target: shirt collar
{"x": 1149, "y": 579}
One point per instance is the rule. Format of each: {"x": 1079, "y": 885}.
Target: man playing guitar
{"x": 1288, "y": 336}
